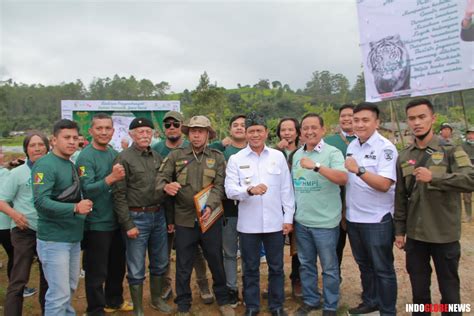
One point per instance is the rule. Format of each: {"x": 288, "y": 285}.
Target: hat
{"x": 140, "y": 122}
{"x": 255, "y": 119}
{"x": 445, "y": 125}
{"x": 174, "y": 115}
{"x": 198, "y": 121}
{"x": 470, "y": 129}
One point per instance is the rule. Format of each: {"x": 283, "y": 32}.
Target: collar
{"x": 145, "y": 152}
{"x": 318, "y": 148}
{"x": 189, "y": 150}
{"x": 372, "y": 139}
{"x": 433, "y": 144}
{"x": 29, "y": 163}
{"x": 247, "y": 150}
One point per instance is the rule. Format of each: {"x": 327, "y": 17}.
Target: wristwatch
{"x": 360, "y": 171}
{"x": 316, "y": 167}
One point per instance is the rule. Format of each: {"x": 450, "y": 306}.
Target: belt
{"x": 145, "y": 209}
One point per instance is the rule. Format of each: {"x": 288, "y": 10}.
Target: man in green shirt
{"x": 184, "y": 173}
{"x": 468, "y": 147}
{"x": 138, "y": 210}
{"x": 61, "y": 214}
{"x": 104, "y": 250}
{"x": 172, "y": 122}
{"x": 428, "y": 206}
{"x": 341, "y": 140}
{"x": 17, "y": 190}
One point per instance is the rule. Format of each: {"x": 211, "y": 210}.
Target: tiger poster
{"x": 415, "y": 48}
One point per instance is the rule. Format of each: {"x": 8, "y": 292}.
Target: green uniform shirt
{"x": 93, "y": 166}
{"x": 57, "y": 221}
{"x": 5, "y": 220}
{"x": 193, "y": 175}
{"x": 469, "y": 149}
{"x": 164, "y": 150}
{"x": 433, "y": 213}
{"x": 317, "y": 198}
{"x": 18, "y": 191}
{"x": 137, "y": 189}
{"x": 230, "y": 206}
{"x": 337, "y": 141}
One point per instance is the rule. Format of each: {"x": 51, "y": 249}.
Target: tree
{"x": 262, "y": 84}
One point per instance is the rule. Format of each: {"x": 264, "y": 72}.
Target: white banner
{"x": 414, "y": 47}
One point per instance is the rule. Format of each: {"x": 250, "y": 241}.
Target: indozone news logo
{"x": 438, "y": 308}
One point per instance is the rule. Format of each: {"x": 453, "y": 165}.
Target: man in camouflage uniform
{"x": 468, "y": 147}
{"x": 184, "y": 173}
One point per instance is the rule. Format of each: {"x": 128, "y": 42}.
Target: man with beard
{"x": 341, "y": 140}
{"x": 172, "y": 122}
{"x": 428, "y": 206}
{"x": 138, "y": 211}
{"x": 104, "y": 250}
{"x": 183, "y": 174}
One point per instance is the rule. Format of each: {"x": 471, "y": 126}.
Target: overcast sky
{"x": 49, "y": 42}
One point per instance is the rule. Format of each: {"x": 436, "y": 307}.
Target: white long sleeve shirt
{"x": 260, "y": 213}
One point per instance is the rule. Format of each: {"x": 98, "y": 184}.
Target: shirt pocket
{"x": 273, "y": 174}
{"x": 137, "y": 175}
{"x": 208, "y": 177}
{"x": 246, "y": 177}
{"x": 182, "y": 176}
{"x": 370, "y": 165}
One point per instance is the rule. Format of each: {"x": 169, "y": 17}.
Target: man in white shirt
{"x": 259, "y": 178}
{"x": 370, "y": 193}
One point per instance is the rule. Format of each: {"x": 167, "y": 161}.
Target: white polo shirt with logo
{"x": 363, "y": 203}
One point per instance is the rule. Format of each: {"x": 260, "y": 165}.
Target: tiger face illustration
{"x": 389, "y": 63}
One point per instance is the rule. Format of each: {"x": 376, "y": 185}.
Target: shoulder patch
{"x": 82, "y": 171}
{"x": 388, "y": 154}
{"x": 462, "y": 160}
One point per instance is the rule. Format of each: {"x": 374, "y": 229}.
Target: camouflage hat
{"x": 198, "y": 121}
{"x": 174, "y": 115}
{"x": 470, "y": 129}
{"x": 445, "y": 125}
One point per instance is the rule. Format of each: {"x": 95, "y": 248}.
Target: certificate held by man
{"x": 200, "y": 200}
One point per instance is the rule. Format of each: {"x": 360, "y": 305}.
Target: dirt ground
{"x": 350, "y": 287}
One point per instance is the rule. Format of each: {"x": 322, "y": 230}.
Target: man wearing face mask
{"x": 184, "y": 173}
{"x": 428, "y": 206}
{"x": 468, "y": 147}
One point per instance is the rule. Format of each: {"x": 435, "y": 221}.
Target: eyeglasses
{"x": 175, "y": 124}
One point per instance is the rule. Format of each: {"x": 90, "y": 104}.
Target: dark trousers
{"x": 7, "y": 245}
{"x": 295, "y": 269}
{"x": 104, "y": 261}
{"x": 341, "y": 243}
{"x": 24, "y": 242}
{"x": 446, "y": 261}
{"x": 250, "y": 245}
{"x": 186, "y": 243}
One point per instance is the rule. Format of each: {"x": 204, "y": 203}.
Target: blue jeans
{"x": 250, "y": 246}
{"x": 372, "y": 247}
{"x": 152, "y": 236}
{"x": 230, "y": 246}
{"x": 61, "y": 264}
{"x": 322, "y": 242}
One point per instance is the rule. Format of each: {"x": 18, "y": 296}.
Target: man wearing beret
{"x": 184, "y": 173}
{"x": 259, "y": 178}
{"x": 138, "y": 211}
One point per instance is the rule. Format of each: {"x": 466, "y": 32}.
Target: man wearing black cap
{"x": 138, "y": 211}
{"x": 183, "y": 174}
{"x": 172, "y": 125}
{"x": 445, "y": 134}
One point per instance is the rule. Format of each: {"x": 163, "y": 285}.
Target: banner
{"x": 415, "y": 47}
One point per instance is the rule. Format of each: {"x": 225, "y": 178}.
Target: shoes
{"x": 329, "y": 313}
{"x": 125, "y": 307}
{"x": 305, "y": 309}
{"x": 363, "y": 309}
{"x": 167, "y": 292}
{"x": 29, "y": 291}
{"x": 206, "y": 296}
{"x": 279, "y": 312}
{"x": 251, "y": 312}
{"x": 233, "y": 298}
{"x": 296, "y": 290}
{"x": 226, "y": 310}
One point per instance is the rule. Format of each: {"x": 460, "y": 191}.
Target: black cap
{"x": 255, "y": 119}
{"x": 140, "y": 122}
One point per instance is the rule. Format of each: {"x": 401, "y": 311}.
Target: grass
{"x": 11, "y": 141}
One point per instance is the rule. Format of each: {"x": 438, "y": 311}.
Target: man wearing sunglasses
{"x": 174, "y": 139}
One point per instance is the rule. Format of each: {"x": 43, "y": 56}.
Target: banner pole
{"x": 463, "y": 109}
{"x": 392, "y": 109}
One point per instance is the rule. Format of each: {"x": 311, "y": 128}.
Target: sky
{"x": 50, "y": 42}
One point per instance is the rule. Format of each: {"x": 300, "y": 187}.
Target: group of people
{"x": 316, "y": 189}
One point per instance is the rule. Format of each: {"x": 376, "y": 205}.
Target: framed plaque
{"x": 200, "y": 200}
